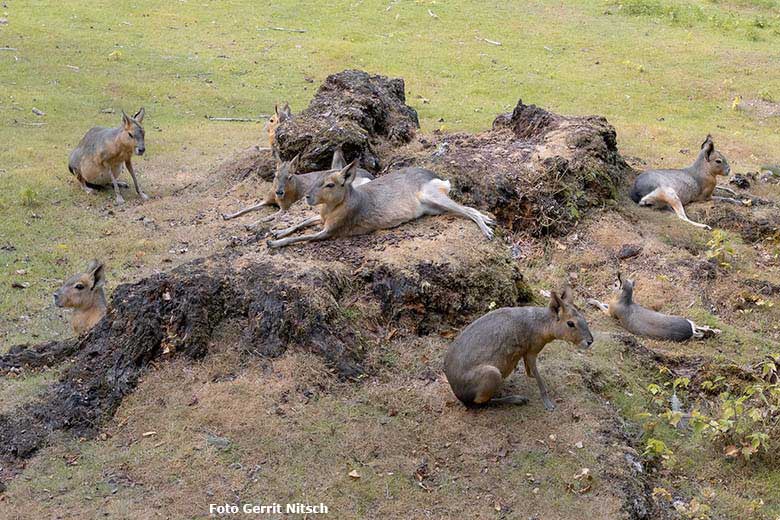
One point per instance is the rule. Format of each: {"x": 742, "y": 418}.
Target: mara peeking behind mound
{"x": 83, "y": 292}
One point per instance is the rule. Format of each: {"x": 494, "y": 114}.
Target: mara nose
{"x": 141, "y": 151}
{"x": 590, "y": 342}
{"x": 280, "y": 193}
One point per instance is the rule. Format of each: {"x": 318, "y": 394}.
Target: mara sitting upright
{"x": 677, "y": 188}
{"x": 645, "y": 322}
{"x": 83, "y": 292}
{"x": 389, "y": 201}
{"x": 487, "y": 351}
{"x": 290, "y": 187}
{"x": 97, "y": 160}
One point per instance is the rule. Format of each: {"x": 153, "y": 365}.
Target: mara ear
{"x": 708, "y": 146}
{"x": 126, "y": 120}
{"x": 348, "y": 173}
{"x": 97, "y": 273}
{"x": 338, "y": 161}
{"x": 139, "y": 116}
{"x": 556, "y": 304}
{"x": 566, "y": 294}
{"x": 284, "y": 113}
{"x": 294, "y": 163}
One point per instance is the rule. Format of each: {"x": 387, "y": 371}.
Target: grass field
{"x": 665, "y": 73}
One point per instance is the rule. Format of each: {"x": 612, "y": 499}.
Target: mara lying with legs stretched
{"x": 289, "y": 186}
{"x": 97, "y": 160}
{"x": 400, "y": 196}
{"x": 487, "y": 351}
{"x": 677, "y": 188}
{"x": 645, "y": 322}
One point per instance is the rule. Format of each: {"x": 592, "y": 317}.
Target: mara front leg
{"x": 292, "y": 229}
{"x": 603, "y": 307}
{"x": 140, "y": 193}
{"x": 115, "y": 171}
{"x": 322, "y": 235}
{"x": 530, "y": 365}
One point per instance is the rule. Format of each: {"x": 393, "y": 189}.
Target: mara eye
{"x": 718, "y": 161}
{"x": 130, "y": 134}
{"x": 79, "y": 286}
{"x": 329, "y": 185}
{"x": 570, "y": 324}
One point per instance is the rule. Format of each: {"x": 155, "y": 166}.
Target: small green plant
{"x": 766, "y": 95}
{"x": 29, "y": 197}
{"x": 719, "y": 248}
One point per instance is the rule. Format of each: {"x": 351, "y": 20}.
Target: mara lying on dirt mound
{"x": 676, "y": 188}
{"x": 645, "y": 322}
{"x": 488, "y": 350}
{"x": 400, "y": 196}
{"x": 289, "y": 186}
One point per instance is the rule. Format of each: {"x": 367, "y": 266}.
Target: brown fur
{"x": 278, "y": 117}
{"x": 488, "y": 351}
{"x": 83, "y": 292}
{"x": 398, "y": 197}
{"x": 98, "y": 159}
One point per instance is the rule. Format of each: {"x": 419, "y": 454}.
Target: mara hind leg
{"x": 728, "y": 199}
{"x": 486, "y": 380}
{"x": 603, "y": 307}
{"x": 269, "y": 218}
{"x": 703, "y": 331}
{"x": 667, "y": 196}
{"x": 435, "y": 195}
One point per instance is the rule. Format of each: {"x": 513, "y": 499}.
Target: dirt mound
{"x": 535, "y": 170}
{"x": 293, "y": 299}
{"x": 354, "y": 109}
{"x": 752, "y": 223}
{"x": 253, "y": 161}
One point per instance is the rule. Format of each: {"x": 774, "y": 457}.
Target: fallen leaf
{"x": 579, "y": 445}
{"x": 731, "y": 451}
{"x": 148, "y": 434}
{"x": 354, "y": 474}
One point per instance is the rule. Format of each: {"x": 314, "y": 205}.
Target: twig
{"x": 24, "y": 123}
{"x": 285, "y": 29}
{"x": 491, "y": 42}
{"x": 262, "y": 117}
{"x": 8, "y": 49}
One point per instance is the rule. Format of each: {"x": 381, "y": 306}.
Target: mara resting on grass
{"x": 289, "y": 187}
{"x": 97, "y": 160}
{"x": 645, "y": 322}
{"x": 389, "y": 201}
{"x": 677, "y": 188}
{"x": 83, "y": 292}
{"x": 487, "y": 351}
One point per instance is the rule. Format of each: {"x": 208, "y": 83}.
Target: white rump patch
{"x": 439, "y": 185}
{"x": 359, "y": 181}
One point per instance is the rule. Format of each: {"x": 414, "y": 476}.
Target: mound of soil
{"x": 352, "y": 109}
{"x": 535, "y": 170}
{"x": 255, "y": 161}
{"x": 292, "y": 299}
